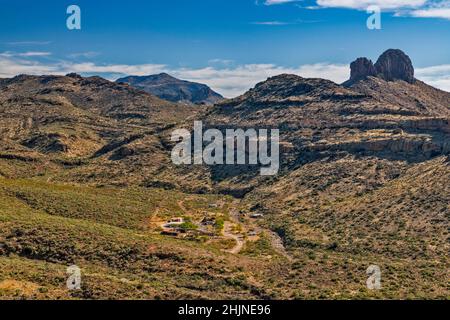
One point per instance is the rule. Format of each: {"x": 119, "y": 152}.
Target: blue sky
{"x": 228, "y": 44}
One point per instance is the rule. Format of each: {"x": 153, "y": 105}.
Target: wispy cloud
{"x": 272, "y": 2}
{"x": 10, "y": 54}
{"x": 12, "y": 66}
{"x": 437, "y": 76}
{"x": 28, "y": 43}
{"x": 88, "y": 54}
{"x": 284, "y": 23}
{"x": 364, "y": 4}
{"x": 221, "y": 62}
{"x": 357, "y": 4}
{"x": 435, "y": 9}
{"x": 111, "y": 70}
{"x": 411, "y": 8}
{"x": 431, "y": 13}
{"x": 271, "y": 23}
{"x": 34, "y": 54}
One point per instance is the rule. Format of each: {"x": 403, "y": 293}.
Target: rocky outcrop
{"x": 362, "y": 68}
{"x": 47, "y": 143}
{"x": 391, "y": 65}
{"x": 395, "y": 65}
{"x": 409, "y": 147}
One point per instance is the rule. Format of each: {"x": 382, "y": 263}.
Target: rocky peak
{"x": 395, "y": 65}
{"x": 362, "y": 68}
{"x": 392, "y": 65}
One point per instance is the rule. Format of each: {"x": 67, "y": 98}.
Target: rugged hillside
{"x": 319, "y": 119}
{"x": 86, "y": 178}
{"x": 172, "y": 89}
{"x": 365, "y": 166}
{"x": 79, "y": 124}
{"x": 94, "y": 95}
{"x": 369, "y": 117}
{"x": 391, "y": 81}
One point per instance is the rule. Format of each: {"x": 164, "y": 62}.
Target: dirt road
{"x": 275, "y": 240}
{"x": 227, "y": 232}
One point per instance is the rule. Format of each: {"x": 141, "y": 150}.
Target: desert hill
{"x": 172, "y": 89}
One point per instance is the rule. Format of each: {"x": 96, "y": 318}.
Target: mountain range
{"x": 86, "y": 178}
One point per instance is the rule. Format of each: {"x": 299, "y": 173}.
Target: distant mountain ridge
{"x": 172, "y": 89}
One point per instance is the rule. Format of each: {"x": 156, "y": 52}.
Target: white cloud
{"x": 115, "y": 69}
{"x": 411, "y": 8}
{"x": 28, "y": 43}
{"x": 436, "y": 9}
{"x": 358, "y": 4}
{"x": 431, "y": 13}
{"x": 88, "y": 54}
{"x": 434, "y": 70}
{"x": 224, "y": 62}
{"x": 232, "y": 82}
{"x": 271, "y": 23}
{"x": 9, "y": 54}
{"x": 272, "y": 2}
{"x": 364, "y": 4}
{"x": 34, "y": 54}
{"x": 13, "y": 64}
{"x": 436, "y": 76}
{"x": 432, "y": 9}
{"x": 10, "y": 67}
